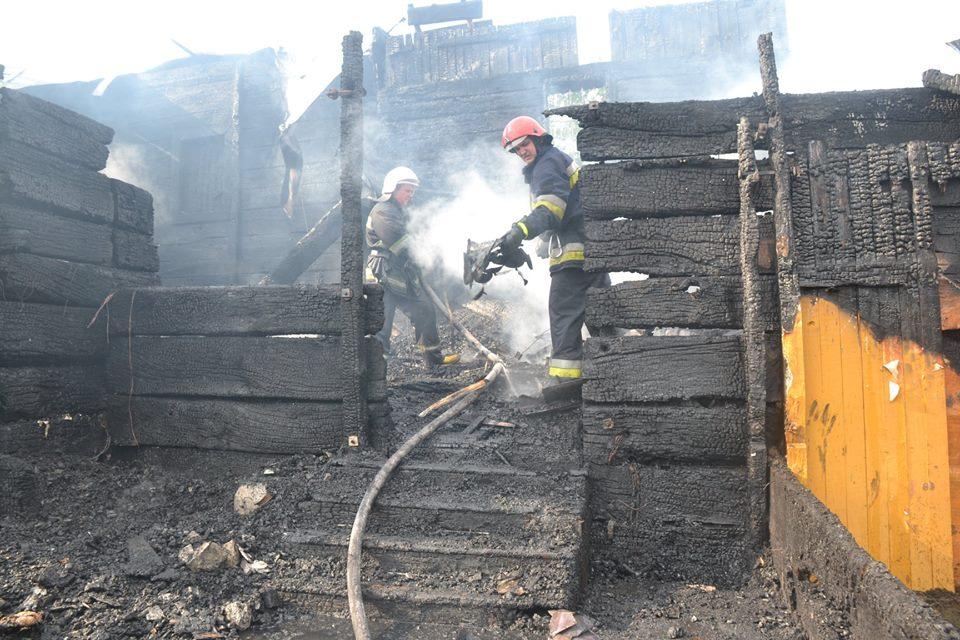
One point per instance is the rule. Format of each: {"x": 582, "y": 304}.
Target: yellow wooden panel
{"x": 897, "y": 469}
{"x": 877, "y": 454}
{"x": 813, "y": 372}
{"x": 877, "y": 442}
{"x": 912, "y": 390}
{"x": 794, "y": 394}
{"x": 853, "y": 417}
{"x": 952, "y": 375}
{"x": 830, "y": 422}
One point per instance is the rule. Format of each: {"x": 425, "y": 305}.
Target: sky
{"x": 834, "y": 44}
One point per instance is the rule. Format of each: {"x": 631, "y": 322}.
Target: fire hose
{"x": 464, "y": 398}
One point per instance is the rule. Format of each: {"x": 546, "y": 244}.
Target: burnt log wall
{"x": 665, "y": 431}
{"x": 240, "y": 368}
{"x": 201, "y": 135}
{"x": 69, "y": 237}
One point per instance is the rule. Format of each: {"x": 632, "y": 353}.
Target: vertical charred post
{"x": 782, "y": 208}
{"x": 754, "y": 339}
{"x": 351, "y": 248}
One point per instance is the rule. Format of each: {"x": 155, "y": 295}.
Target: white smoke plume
{"x": 486, "y": 198}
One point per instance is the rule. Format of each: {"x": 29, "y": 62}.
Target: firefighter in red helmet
{"x": 556, "y": 218}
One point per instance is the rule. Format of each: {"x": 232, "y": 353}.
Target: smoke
{"x": 489, "y": 196}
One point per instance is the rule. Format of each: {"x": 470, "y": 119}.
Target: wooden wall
{"x": 870, "y": 428}
{"x": 870, "y": 315}
{"x": 240, "y": 368}
{"x": 69, "y": 237}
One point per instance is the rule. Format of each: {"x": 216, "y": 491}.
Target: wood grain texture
{"x": 30, "y": 278}
{"x": 680, "y": 246}
{"x": 232, "y": 425}
{"x": 236, "y": 367}
{"x": 35, "y": 333}
{"x": 665, "y": 188}
{"x": 39, "y": 392}
{"x": 657, "y": 369}
{"x": 695, "y": 302}
{"x": 238, "y": 310}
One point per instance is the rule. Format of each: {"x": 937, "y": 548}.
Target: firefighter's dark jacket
{"x": 387, "y": 238}
{"x": 555, "y": 206}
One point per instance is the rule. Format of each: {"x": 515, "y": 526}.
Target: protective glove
{"x": 511, "y": 241}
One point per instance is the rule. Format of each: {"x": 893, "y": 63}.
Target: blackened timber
{"x": 652, "y": 188}
{"x": 754, "y": 339}
{"x": 351, "y": 383}
{"x": 29, "y": 229}
{"x": 52, "y": 129}
{"x": 658, "y": 369}
{"x": 30, "y": 278}
{"x": 657, "y": 433}
{"x": 235, "y": 425}
{"x": 34, "y": 333}
{"x": 230, "y": 367}
{"x": 684, "y": 245}
{"x": 672, "y": 493}
{"x": 936, "y": 79}
{"x": 238, "y": 310}
{"x": 695, "y": 302}
{"x": 47, "y": 391}
{"x": 134, "y": 207}
{"x": 695, "y": 128}
{"x": 308, "y": 249}
{"x": 27, "y": 174}
{"x": 135, "y": 251}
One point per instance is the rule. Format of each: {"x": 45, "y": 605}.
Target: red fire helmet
{"x": 518, "y": 129}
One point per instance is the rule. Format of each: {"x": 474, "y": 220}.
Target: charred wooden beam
{"x": 29, "y": 278}
{"x": 677, "y": 187}
{"x": 30, "y": 229}
{"x": 658, "y": 433}
{"x": 236, "y": 367}
{"x": 696, "y": 128}
{"x": 754, "y": 338}
{"x": 935, "y": 79}
{"x": 448, "y": 12}
{"x": 29, "y": 175}
{"x": 308, "y": 249}
{"x": 694, "y": 302}
{"x": 47, "y": 391}
{"x": 258, "y": 426}
{"x": 679, "y": 246}
{"x": 352, "y": 387}
{"x": 659, "y": 369}
{"x": 53, "y": 130}
{"x": 43, "y": 333}
{"x": 237, "y": 310}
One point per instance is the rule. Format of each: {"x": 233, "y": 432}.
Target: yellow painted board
{"x": 831, "y": 450}
{"x": 794, "y": 393}
{"x": 952, "y": 375}
{"x": 897, "y": 470}
{"x": 877, "y": 439}
{"x": 813, "y": 433}
{"x": 853, "y": 417}
{"x": 912, "y": 390}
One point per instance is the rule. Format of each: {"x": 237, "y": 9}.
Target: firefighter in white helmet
{"x": 391, "y": 265}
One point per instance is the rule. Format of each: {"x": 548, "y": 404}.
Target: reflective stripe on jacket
{"x": 555, "y": 206}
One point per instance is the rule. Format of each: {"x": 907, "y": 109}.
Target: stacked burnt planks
{"x": 664, "y": 423}
{"x": 666, "y": 438}
{"x": 69, "y": 236}
{"x": 236, "y": 368}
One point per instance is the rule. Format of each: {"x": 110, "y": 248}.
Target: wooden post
{"x": 754, "y": 340}
{"x": 788, "y": 283}
{"x": 351, "y": 243}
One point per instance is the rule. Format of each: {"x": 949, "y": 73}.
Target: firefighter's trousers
{"x": 568, "y": 293}
{"x": 421, "y": 314}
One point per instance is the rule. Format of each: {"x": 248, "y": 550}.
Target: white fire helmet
{"x": 397, "y": 176}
